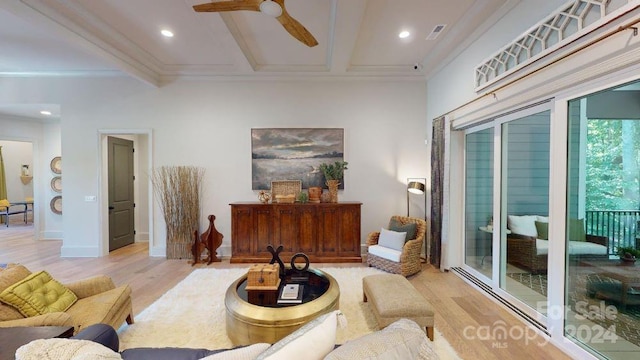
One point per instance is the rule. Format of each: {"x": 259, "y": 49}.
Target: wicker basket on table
{"x": 285, "y": 191}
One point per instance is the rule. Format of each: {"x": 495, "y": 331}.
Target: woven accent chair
{"x": 409, "y": 263}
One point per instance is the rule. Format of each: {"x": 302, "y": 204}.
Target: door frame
{"x": 103, "y": 185}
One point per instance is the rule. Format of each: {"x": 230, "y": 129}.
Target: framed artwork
{"x": 293, "y": 154}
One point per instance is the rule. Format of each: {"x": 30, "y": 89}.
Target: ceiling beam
{"x": 346, "y": 19}
{"x": 90, "y": 33}
{"x": 239, "y": 47}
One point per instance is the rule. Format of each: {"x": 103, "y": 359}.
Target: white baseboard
{"x": 224, "y": 251}
{"x": 142, "y": 237}
{"x": 158, "y": 251}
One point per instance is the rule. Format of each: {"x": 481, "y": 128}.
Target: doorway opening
{"x": 141, "y": 191}
{"x": 18, "y": 159}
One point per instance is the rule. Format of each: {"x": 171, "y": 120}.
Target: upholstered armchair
{"x": 98, "y": 301}
{"x": 403, "y": 259}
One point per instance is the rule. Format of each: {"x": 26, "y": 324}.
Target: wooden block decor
{"x": 263, "y": 277}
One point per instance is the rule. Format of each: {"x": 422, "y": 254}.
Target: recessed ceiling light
{"x": 166, "y": 33}
{"x": 404, "y": 34}
{"x": 45, "y": 112}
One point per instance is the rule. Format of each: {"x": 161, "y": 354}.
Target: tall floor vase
{"x": 333, "y": 190}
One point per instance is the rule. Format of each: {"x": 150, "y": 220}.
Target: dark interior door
{"x": 121, "y": 214}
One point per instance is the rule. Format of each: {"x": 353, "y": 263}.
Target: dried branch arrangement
{"x": 178, "y": 190}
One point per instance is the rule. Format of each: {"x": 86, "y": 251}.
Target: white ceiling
{"x": 115, "y": 37}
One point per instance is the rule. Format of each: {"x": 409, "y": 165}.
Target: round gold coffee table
{"x": 255, "y": 316}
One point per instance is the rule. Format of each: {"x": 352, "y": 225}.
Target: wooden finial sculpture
{"x": 210, "y": 240}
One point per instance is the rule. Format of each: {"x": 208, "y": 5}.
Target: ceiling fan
{"x": 274, "y": 8}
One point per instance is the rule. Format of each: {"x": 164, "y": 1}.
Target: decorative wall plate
{"x": 56, "y": 184}
{"x": 56, "y": 205}
{"x": 56, "y": 165}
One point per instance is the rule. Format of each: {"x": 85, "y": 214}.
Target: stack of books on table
{"x": 291, "y": 294}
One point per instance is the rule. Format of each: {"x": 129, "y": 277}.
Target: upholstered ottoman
{"x": 392, "y": 297}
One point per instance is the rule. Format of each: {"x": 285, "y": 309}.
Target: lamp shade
{"x": 416, "y": 187}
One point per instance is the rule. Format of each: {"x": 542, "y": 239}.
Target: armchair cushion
{"x": 11, "y": 275}
{"x": 409, "y": 228}
{"x": 576, "y": 230}
{"x": 391, "y": 239}
{"x": 543, "y": 230}
{"x": 91, "y": 286}
{"x": 38, "y": 294}
{"x": 385, "y": 253}
{"x": 109, "y": 307}
{"x": 523, "y": 225}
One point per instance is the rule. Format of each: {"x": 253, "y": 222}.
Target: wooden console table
{"x": 325, "y": 232}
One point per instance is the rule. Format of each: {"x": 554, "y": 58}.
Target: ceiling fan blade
{"x": 253, "y": 5}
{"x": 297, "y": 30}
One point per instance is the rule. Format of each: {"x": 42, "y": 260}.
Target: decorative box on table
{"x": 263, "y": 277}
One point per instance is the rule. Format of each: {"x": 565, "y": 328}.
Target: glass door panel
{"x": 479, "y": 150}
{"x": 525, "y": 207}
{"x": 602, "y": 293}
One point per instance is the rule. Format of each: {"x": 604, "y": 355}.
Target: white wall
{"x": 208, "y": 123}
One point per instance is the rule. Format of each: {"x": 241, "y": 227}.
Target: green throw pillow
{"x": 543, "y": 230}
{"x": 38, "y": 294}
{"x": 410, "y": 229}
{"x": 576, "y": 230}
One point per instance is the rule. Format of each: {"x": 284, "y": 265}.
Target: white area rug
{"x": 192, "y": 314}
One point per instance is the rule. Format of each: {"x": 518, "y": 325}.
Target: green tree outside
{"x": 612, "y": 163}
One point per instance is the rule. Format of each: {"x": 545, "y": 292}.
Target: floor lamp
{"x": 418, "y": 186}
{"x": 415, "y": 186}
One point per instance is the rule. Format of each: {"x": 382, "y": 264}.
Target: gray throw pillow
{"x": 410, "y": 229}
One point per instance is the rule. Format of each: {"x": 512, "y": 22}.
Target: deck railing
{"x": 620, "y": 226}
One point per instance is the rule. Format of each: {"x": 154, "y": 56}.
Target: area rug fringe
{"x": 192, "y": 313}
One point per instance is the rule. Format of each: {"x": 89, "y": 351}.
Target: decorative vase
{"x": 314, "y": 194}
{"x": 264, "y": 197}
{"x": 333, "y": 190}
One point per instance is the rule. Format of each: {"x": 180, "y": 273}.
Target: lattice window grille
{"x": 543, "y": 38}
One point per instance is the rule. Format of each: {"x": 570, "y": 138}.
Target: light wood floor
{"x": 457, "y": 304}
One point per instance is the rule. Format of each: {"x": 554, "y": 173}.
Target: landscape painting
{"x": 293, "y": 154}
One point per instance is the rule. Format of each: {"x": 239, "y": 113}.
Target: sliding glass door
{"x": 479, "y": 150}
{"x": 602, "y": 292}
{"x": 507, "y": 245}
